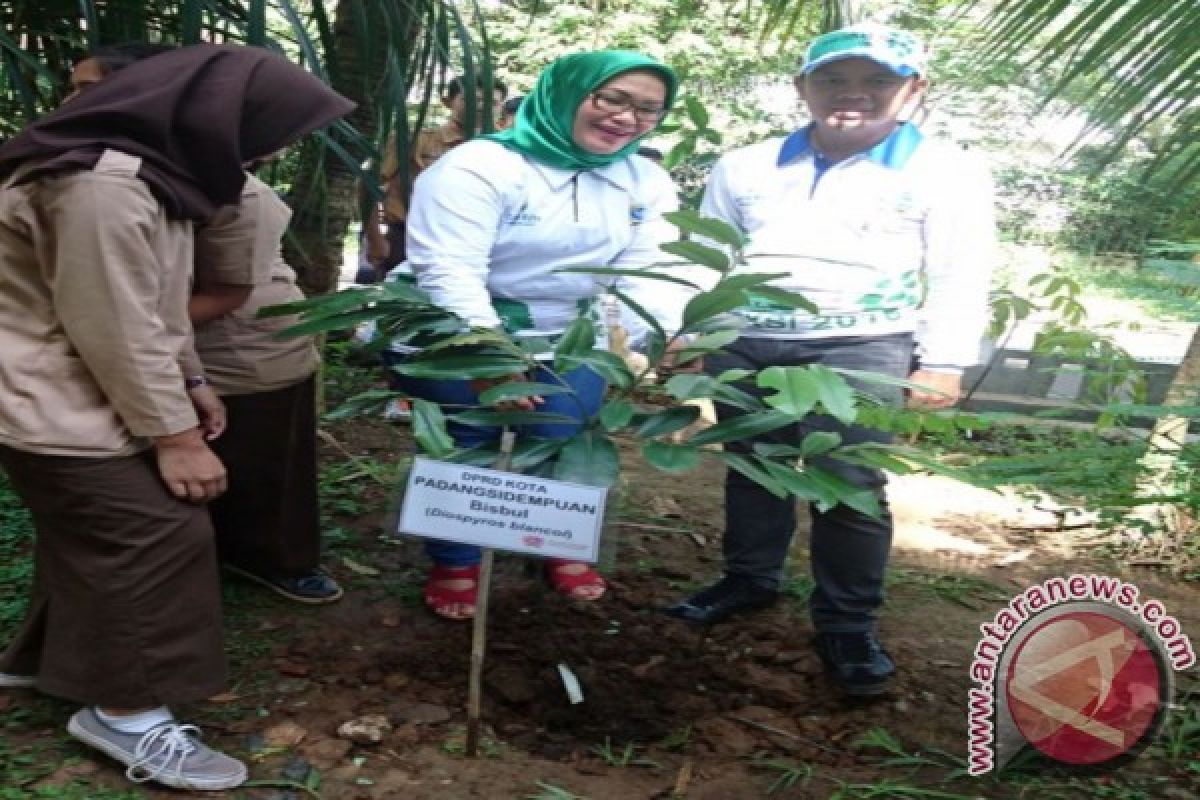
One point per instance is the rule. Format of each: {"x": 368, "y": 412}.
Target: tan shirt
{"x": 240, "y": 246}
{"x": 431, "y": 144}
{"x": 94, "y": 284}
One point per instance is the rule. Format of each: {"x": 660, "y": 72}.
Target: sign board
{"x": 502, "y": 510}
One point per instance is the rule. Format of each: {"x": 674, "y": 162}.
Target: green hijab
{"x": 545, "y": 120}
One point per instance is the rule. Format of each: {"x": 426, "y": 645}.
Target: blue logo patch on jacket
{"x": 637, "y": 214}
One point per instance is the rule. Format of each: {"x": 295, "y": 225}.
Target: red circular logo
{"x": 1085, "y": 687}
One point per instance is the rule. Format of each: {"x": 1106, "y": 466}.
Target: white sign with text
{"x": 503, "y": 510}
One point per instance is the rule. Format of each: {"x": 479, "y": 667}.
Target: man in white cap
{"x": 879, "y": 226}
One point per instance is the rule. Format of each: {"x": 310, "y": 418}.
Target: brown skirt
{"x": 268, "y": 522}
{"x": 125, "y": 609}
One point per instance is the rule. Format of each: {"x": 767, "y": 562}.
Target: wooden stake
{"x": 479, "y": 623}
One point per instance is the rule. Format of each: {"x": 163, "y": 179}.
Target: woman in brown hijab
{"x": 99, "y": 430}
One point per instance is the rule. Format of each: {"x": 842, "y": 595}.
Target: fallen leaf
{"x": 223, "y": 698}
{"x": 359, "y": 569}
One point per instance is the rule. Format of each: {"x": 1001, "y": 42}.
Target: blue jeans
{"x": 848, "y": 549}
{"x": 588, "y": 395}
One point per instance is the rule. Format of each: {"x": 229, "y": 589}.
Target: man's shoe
{"x": 728, "y": 596}
{"x": 314, "y": 588}
{"x": 10, "y": 681}
{"x": 856, "y": 662}
{"x": 170, "y": 754}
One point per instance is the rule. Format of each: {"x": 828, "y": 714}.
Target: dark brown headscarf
{"x": 193, "y": 116}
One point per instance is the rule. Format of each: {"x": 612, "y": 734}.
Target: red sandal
{"x": 569, "y": 584}
{"x": 441, "y": 599}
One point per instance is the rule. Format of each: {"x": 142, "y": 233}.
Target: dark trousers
{"x": 848, "y": 549}
{"x": 268, "y": 521}
{"x": 125, "y": 610}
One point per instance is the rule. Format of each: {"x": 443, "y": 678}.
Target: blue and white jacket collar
{"x": 893, "y": 152}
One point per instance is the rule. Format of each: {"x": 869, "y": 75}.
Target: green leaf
{"x": 819, "y": 442}
{"x": 579, "y": 339}
{"x": 642, "y": 313}
{"x": 712, "y": 229}
{"x": 481, "y": 418}
{"x": 590, "y": 458}
{"x": 734, "y": 375}
{"x": 743, "y": 426}
{"x": 694, "y": 387}
{"x": 796, "y": 390}
{"x": 429, "y": 429}
{"x": 672, "y": 458}
{"x": 605, "y": 364}
{"x": 668, "y": 421}
{"x": 474, "y": 338}
{"x": 698, "y": 253}
{"x": 368, "y": 402}
{"x": 616, "y": 414}
{"x": 461, "y": 367}
{"x": 798, "y": 387}
{"x": 513, "y": 390}
{"x": 696, "y": 112}
{"x": 751, "y": 469}
{"x": 708, "y": 305}
{"x": 785, "y": 298}
{"x": 648, "y": 274}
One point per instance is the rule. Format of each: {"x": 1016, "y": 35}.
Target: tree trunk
{"x": 325, "y": 197}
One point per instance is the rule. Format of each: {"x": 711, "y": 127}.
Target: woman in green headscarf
{"x": 493, "y": 222}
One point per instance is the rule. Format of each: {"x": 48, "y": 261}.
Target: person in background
{"x": 494, "y": 221}
{"x": 877, "y": 224}
{"x": 385, "y": 237}
{"x": 508, "y": 113}
{"x": 102, "y": 433}
{"x": 268, "y": 520}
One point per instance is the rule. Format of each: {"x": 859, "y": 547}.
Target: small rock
{"x": 901, "y": 706}
{"x": 510, "y": 684}
{"x": 287, "y": 734}
{"x": 369, "y": 729}
{"x": 296, "y": 769}
{"x": 396, "y": 680}
{"x": 324, "y": 754}
{"x": 423, "y": 714}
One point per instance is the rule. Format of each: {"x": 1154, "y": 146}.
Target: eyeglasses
{"x": 610, "y": 101}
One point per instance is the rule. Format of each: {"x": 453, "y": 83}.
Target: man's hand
{"x": 669, "y": 365}
{"x": 481, "y": 385}
{"x": 939, "y": 389}
{"x": 191, "y": 471}
{"x": 210, "y": 409}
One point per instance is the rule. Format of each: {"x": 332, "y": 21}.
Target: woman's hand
{"x": 209, "y": 409}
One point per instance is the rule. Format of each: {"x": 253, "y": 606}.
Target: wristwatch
{"x": 195, "y": 382}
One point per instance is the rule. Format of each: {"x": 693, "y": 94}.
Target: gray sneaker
{"x": 170, "y": 754}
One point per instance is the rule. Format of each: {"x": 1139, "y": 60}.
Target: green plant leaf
{"x": 751, "y": 469}
{"x": 429, "y": 429}
{"x": 590, "y": 458}
{"x": 605, "y": 364}
{"x": 696, "y": 112}
{"x": 710, "y": 228}
{"x": 672, "y": 458}
{"x": 668, "y": 421}
{"x": 694, "y": 387}
{"x": 819, "y": 442}
{"x": 577, "y": 340}
{"x": 616, "y": 414}
{"x": 461, "y": 367}
{"x": 481, "y": 418}
{"x": 368, "y": 402}
{"x": 708, "y": 343}
{"x": 708, "y": 305}
{"x": 648, "y": 274}
{"x": 517, "y": 389}
{"x": 786, "y": 298}
{"x": 795, "y": 387}
{"x": 743, "y": 427}
{"x": 698, "y": 253}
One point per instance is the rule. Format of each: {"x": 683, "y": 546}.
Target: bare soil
{"x": 670, "y": 711}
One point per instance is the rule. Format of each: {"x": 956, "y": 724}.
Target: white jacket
{"x": 901, "y": 234}
{"x": 488, "y": 228}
